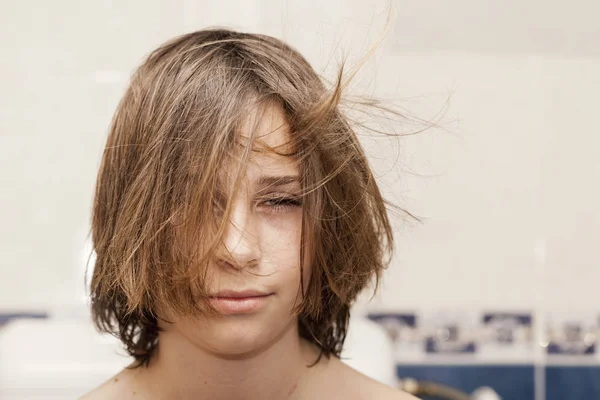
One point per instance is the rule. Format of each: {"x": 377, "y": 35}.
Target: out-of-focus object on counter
{"x": 440, "y": 391}
{"x": 426, "y": 388}
{"x": 55, "y": 358}
{"x": 485, "y": 393}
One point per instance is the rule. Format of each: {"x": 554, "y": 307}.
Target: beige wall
{"x": 514, "y": 174}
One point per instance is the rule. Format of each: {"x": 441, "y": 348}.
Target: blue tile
{"x": 572, "y": 382}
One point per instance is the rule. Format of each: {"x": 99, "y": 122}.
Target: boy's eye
{"x": 280, "y": 204}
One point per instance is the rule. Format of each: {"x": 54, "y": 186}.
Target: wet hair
{"x": 159, "y": 185}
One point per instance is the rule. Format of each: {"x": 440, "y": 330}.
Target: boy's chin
{"x": 244, "y": 340}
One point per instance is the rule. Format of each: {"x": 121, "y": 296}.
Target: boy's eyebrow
{"x": 266, "y": 181}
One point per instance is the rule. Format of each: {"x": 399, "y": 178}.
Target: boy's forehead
{"x": 270, "y": 128}
{"x": 271, "y": 151}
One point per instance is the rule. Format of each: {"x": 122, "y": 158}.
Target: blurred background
{"x": 496, "y": 287}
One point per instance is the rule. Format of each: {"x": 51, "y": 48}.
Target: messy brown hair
{"x": 158, "y": 182}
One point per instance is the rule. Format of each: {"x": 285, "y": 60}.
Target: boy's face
{"x": 255, "y": 279}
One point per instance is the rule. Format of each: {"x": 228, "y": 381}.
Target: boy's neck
{"x": 180, "y": 370}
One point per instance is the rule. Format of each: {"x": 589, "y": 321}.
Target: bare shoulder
{"x": 120, "y": 386}
{"x": 359, "y": 386}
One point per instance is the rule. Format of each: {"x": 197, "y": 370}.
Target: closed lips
{"x": 239, "y": 295}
